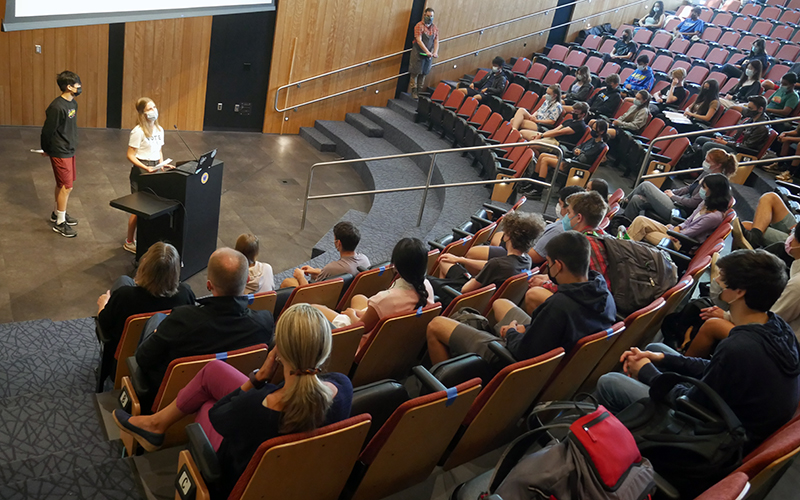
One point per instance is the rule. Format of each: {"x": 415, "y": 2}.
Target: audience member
{"x": 259, "y": 277}
{"x": 715, "y": 191}
{"x": 585, "y": 152}
{"x": 494, "y": 83}
{"x": 785, "y": 169}
{"x": 408, "y": 292}
{"x": 757, "y": 53}
{"x": 772, "y": 222}
{"x": 749, "y": 85}
{"x": 605, "y": 103}
{"x": 690, "y": 27}
{"x": 156, "y": 287}
{"x": 750, "y": 138}
{"x": 671, "y": 97}
{"x": 625, "y": 48}
{"x": 219, "y": 323}
{"x": 635, "y": 119}
{"x": 239, "y": 413}
{"x": 581, "y": 90}
{"x": 647, "y": 196}
{"x": 546, "y": 115}
{"x": 570, "y": 131}
{"x": 600, "y": 186}
{"x": 655, "y": 18}
{"x": 755, "y": 370}
{"x": 784, "y": 100}
{"x": 345, "y": 238}
{"x": 703, "y": 109}
{"x": 641, "y": 79}
{"x": 581, "y": 306}
{"x": 718, "y": 323}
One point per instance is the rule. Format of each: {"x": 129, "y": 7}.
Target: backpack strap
{"x": 516, "y": 451}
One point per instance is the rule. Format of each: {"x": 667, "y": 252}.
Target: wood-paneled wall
{"x": 313, "y": 37}
{"x": 167, "y": 61}
{"x": 28, "y": 82}
{"x": 460, "y": 16}
{"x": 623, "y": 13}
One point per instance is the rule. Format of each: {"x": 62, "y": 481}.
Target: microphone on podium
{"x": 184, "y": 143}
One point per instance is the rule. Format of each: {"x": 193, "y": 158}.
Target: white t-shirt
{"x": 260, "y": 278}
{"x": 147, "y": 148}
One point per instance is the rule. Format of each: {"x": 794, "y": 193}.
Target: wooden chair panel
{"x": 578, "y": 177}
{"x": 657, "y": 167}
{"x": 484, "y": 235}
{"x": 477, "y": 299}
{"x": 324, "y": 293}
{"x": 368, "y": 284}
{"x": 264, "y": 301}
{"x": 343, "y": 351}
{"x": 128, "y": 343}
{"x": 513, "y": 289}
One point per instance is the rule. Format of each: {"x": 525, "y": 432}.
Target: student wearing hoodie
{"x": 581, "y": 306}
{"x": 641, "y": 79}
{"x": 605, "y": 103}
{"x": 755, "y": 370}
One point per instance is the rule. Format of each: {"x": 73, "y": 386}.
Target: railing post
{"x": 427, "y": 187}
{"x": 560, "y": 155}
{"x": 308, "y": 192}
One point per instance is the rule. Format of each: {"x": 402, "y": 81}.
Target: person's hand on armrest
{"x": 300, "y": 276}
{"x": 634, "y": 359}
{"x": 504, "y": 329}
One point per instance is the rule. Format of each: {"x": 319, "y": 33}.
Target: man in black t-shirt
{"x": 58, "y": 141}
{"x": 605, "y": 103}
{"x": 624, "y": 49}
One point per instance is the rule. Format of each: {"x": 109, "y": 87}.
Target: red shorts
{"x": 64, "y": 170}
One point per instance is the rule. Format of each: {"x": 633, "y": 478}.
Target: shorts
{"x": 778, "y": 232}
{"x": 497, "y": 252}
{"x": 465, "y": 339}
{"x": 64, "y": 171}
{"x": 136, "y": 172}
{"x": 472, "y": 92}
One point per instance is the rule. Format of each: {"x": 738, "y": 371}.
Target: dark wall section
{"x": 116, "y": 62}
{"x": 562, "y": 15}
{"x": 417, "y": 8}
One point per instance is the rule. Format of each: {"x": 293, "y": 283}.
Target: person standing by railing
{"x": 423, "y": 49}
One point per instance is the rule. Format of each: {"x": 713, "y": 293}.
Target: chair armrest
{"x": 676, "y": 256}
{"x": 641, "y": 138}
{"x": 747, "y": 151}
{"x": 484, "y": 133}
{"x": 451, "y": 108}
{"x": 102, "y": 337}
{"x": 549, "y": 217}
{"x": 137, "y": 379}
{"x": 676, "y": 221}
{"x": 474, "y": 124}
{"x": 509, "y": 101}
{"x": 427, "y": 379}
{"x": 452, "y": 292}
{"x": 506, "y": 171}
{"x": 461, "y": 233}
{"x": 501, "y": 352}
{"x": 788, "y": 185}
{"x": 497, "y": 211}
{"x": 575, "y": 163}
{"x": 505, "y": 162}
{"x": 660, "y": 158}
{"x": 434, "y": 244}
{"x": 481, "y": 221}
{"x": 686, "y": 241}
{"x": 492, "y": 141}
{"x": 697, "y": 411}
{"x": 665, "y": 487}
{"x": 203, "y": 453}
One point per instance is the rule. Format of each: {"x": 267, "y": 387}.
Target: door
{"x": 238, "y": 71}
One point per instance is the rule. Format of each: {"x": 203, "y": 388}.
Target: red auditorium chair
{"x": 776, "y": 72}
{"x": 723, "y": 19}
{"x": 424, "y": 105}
{"x": 784, "y": 32}
{"x": 576, "y": 58}
{"x": 661, "y": 40}
{"x": 770, "y": 460}
{"x": 521, "y": 66}
{"x": 729, "y": 39}
{"x": 607, "y": 46}
{"x": 746, "y": 43}
{"x": 463, "y": 124}
{"x": 566, "y": 83}
{"x": 788, "y": 52}
{"x": 729, "y": 118}
{"x": 706, "y": 15}
{"x": 662, "y": 63}
{"x": 751, "y": 10}
{"x": 697, "y": 75}
{"x": 594, "y": 64}
{"x": 513, "y": 289}
{"x": 671, "y": 24}
{"x": 552, "y": 76}
{"x": 476, "y": 299}
{"x": 529, "y": 100}
{"x": 711, "y": 34}
{"x": 732, "y": 5}
{"x": 622, "y": 28}
{"x": 680, "y": 64}
{"x": 761, "y": 28}
{"x": 794, "y": 4}
{"x": 742, "y": 23}
{"x": 367, "y": 283}
{"x": 771, "y": 47}
{"x": 324, "y": 293}
{"x": 264, "y": 301}
{"x": 770, "y": 13}
{"x": 624, "y": 74}
{"x": 697, "y": 51}
{"x": 467, "y": 109}
{"x": 733, "y": 487}
{"x": 725, "y": 89}
{"x": 643, "y": 36}
{"x": 609, "y": 68}
{"x": 717, "y": 55}
{"x": 680, "y": 46}
{"x": 592, "y": 42}
{"x": 558, "y": 53}
{"x": 436, "y": 114}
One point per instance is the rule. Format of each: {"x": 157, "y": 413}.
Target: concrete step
{"x": 406, "y": 97}
{"x": 317, "y": 139}
{"x": 364, "y": 124}
{"x": 405, "y": 108}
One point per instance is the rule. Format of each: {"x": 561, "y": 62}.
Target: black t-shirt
{"x": 60, "y": 131}
{"x": 622, "y": 48}
{"x": 678, "y": 92}
{"x": 590, "y": 150}
{"x": 578, "y": 127}
{"x": 129, "y": 300}
{"x": 499, "y": 269}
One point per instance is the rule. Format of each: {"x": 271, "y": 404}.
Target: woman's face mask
{"x": 637, "y": 102}
{"x": 749, "y": 72}
{"x": 706, "y": 167}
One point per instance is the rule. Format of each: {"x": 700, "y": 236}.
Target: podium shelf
{"x": 145, "y": 205}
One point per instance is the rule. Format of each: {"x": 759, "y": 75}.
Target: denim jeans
{"x": 648, "y": 196}
{"x": 123, "y": 280}
{"x": 151, "y": 325}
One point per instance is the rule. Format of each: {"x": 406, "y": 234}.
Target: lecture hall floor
{"x": 43, "y": 275}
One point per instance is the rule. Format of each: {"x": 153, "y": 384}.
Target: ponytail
{"x": 422, "y": 292}
{"x": 727, "y": 161}
{"x": 303, "y": 338}
{"x": 410, "y": 259}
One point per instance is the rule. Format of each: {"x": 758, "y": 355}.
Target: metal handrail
{"x": 555, "y": 149}
{"x": 700, "y": 169}
{"x": 399, "y": 75}
{"x": 696, "y": 133}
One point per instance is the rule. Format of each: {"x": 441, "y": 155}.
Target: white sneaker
{"x": 130, "y": 246}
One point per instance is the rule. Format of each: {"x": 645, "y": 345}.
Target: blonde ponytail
{"x": 303, "y": 338}
{"x": 727, "y": 161}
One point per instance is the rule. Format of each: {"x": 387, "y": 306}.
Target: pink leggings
{"x": 216, "y": 380}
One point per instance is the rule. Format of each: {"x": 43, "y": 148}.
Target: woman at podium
{"x": 144, "y": 152}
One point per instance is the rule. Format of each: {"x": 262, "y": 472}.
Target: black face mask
{"x": 78, "y": 91}
{"x": 595, "y": 134}
{"x": 551, "y": 276}
{"x": 626, "y": 38}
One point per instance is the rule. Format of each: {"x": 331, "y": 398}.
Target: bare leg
{"x": 329, "y": 313}
{"x": 480, "y": 252}
{"x": 497, "y": 239}
{"x": 463, "y": 91}
{"x": 612, "y": 133}
{"x": 545, "y": 163}
{"x": 709, "y": 334}
{"x": 160, "y": 421}
{"x": 534, "y": 298}
{"x": 289, "y": 283}
{"x": 519, "y": 118}
{"x": 770, "y": 210}
{"x": 62, "y": 197}
{"x": 358, "y": 302}
{"x": 131, "y": 228}
{"x": 444, "y": 267}
{"x": 500, "y": 308}
{"x": 438, "y": 334}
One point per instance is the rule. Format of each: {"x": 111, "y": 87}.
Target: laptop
{"x": 207, "y": 159}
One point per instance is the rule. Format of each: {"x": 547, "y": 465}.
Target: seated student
{"x": 408, "y": 292}
{"x": 671, "y": 97}
{"x": 570, "y": 131}
{"x": 581, "y": 306}
{"x": 585, "y": 211}
{"x": 635, "y": 119}
{"x": 703, "y": 109}
{"x": 647, "y": 196}
{"x": 757, "y": 53}
{"x": 718, "y": 323}
{"x": 260, "y": 278}
{"x": 520, "y": 230}
{"x": 624, "y": 49}
{"x": 749, "y": 85}
{"x": 494, "y": 83}
{"x": 600, "y": 186}
{"x": 655, "y": 18}
{"x": 771, "y": 224}
{"x": 755, "y": 370}
{"x": 219, "y": 323}
{"x": 784, "y": 169}
{"x": 585, "y": 152}
{"x": 538, "y": 252}
{"x": 715, "y": 190}
{"x": 605, "y": 103}
{"x": 239, "y": 413}
{"x": 581, "y": 90}
{"x": 156, "y": 287}
{"x": 690, "y": 27}
{"x": 345, "y": 238}
{"x": 547, "y": 114}
{"x": 750, "y": 138}
{"x": 784, "y": 100}
{"x": 641, "y": 79}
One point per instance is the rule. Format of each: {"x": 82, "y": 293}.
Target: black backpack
{"x": 639, "y": 273}
{"x": 677, "y": 325}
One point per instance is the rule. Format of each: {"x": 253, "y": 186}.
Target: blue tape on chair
{"x": 419, "y": 311}
{"x": 251, "y": 298}
{"x": 452, "y": 393}
{"x": 609, "y": 331}
{"x": 466, "y": 240}
{"x": 222, "y": 356}
{"x": 529, "y": 273}
{"x": 382, "y": 268}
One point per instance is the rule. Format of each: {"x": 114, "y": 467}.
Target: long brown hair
{"x": 160, "y": 270}
{"x": 147, "y": 126}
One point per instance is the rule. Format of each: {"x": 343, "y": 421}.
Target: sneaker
{"x": 64, "y": 230}
{"x": 785, "y": 176}
{"x": 130, "y": 246}
{"x": 739, "y": 235}
{"x": 69, "y": 220}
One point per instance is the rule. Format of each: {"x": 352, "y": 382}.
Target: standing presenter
{"x": 423, "y": 49}
{"x": 144, "y": 152}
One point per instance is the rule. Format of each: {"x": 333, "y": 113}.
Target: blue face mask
{"x": 702, "y": 193}
{"x": 566, "y": 222}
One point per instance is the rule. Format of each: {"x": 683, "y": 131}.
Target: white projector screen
{"x": 36, "y": 14}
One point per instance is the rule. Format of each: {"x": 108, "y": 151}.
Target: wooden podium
{"x": 180, "y": 207}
